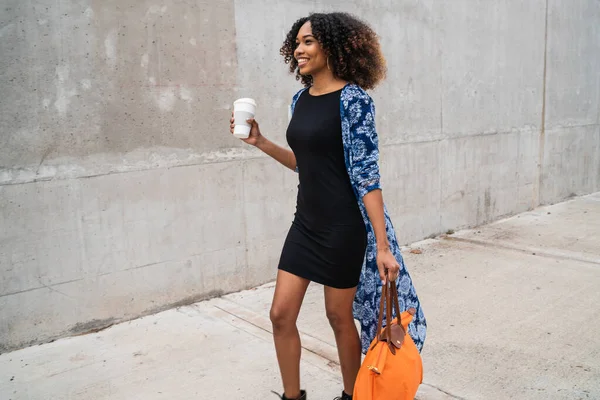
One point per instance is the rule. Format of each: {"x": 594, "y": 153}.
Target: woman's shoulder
{"x": 298, "y": 94}
{"x": 353, "y": 93}
{"x": 294, "y": 101}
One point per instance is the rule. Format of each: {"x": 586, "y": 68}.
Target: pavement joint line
{"x": 332, "y": 362}
{"x": 570, "y": 256}
{"x": 332, "y": 366}
{"x": 453, "y": 396}
{"x": 238, "y": 327}
{"x": 265, "y": 325}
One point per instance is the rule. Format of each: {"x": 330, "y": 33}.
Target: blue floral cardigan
{"x": 361, "y": 154}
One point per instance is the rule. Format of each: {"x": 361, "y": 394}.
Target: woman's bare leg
{"x": 289, "y": 293}
{"x": 338, "y": 304}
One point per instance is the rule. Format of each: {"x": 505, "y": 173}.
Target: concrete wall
{"x": 122, "y": 192}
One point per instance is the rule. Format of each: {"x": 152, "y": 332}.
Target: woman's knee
{"x": 281, "y": 318}
{"x": 339, "y": 320}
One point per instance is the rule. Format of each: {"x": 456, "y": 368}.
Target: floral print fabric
{"x": 361, "y": 152}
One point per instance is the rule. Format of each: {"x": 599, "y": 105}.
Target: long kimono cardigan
{"x": 361, "y": 154}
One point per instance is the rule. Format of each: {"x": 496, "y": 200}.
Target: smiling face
{"x": 309, "y": 53}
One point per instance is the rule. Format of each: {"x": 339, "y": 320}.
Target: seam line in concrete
{"x": 542, "y": 138}
{"x": 330, "y": 359}
{"x": 304, "y": 347}
{"x": 447, "y": 137}
{"x": 263, "y": 325}
{"x": 49, "y": 287}
{"x": 444, "y": 392}
{"x": 235, "y": 317}
{"x": 391, "y": 142}
{"x": 246, "y": 158}
{"x": 529, "y": 250}
{"x": 245, "y": 217}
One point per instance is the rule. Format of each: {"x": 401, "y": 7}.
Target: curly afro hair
{"x": 351, "y": 45}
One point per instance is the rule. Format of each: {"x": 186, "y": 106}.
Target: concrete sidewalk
{"x": 513, "y": 311}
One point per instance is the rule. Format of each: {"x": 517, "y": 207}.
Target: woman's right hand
{"x": 255, "y": 135}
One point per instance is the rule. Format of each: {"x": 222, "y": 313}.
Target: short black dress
{"x": 327, "y": 240}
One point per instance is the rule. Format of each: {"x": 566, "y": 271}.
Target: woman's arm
{"x": 385, "y": 258}
{"x": 284, "y": 156}
{"x": 364, "y": 150}
{"x": 256, "y": 139}
{"x": 374, "y": 205}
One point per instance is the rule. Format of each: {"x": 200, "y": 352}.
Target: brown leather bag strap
{"x": 383, "y": 305}
{"x": 394, "y": 290}
{"x": 380, "y": 320}
{"x": 388, "y": 309}
{"x": 389, "y": 302}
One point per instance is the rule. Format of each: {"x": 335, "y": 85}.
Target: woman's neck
{"x": 325, "y": 82}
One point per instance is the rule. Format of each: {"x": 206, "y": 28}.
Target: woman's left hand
{"x": 387, "y": 261}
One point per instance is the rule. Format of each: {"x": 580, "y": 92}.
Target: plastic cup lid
{"x": 246, "y": 100}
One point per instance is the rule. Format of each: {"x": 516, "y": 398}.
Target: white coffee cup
{"x": 243, "y": 109}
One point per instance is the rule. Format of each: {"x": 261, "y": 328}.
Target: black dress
{"x": 327, "y": 240}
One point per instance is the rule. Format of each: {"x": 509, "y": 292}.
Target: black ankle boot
{"x": 344, "y": 396}
{"x": 302, "y": 396}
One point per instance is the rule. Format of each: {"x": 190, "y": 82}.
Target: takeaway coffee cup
{"x": 243, "y": 109}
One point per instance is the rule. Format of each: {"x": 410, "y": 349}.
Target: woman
{"x": 340, "y": 221}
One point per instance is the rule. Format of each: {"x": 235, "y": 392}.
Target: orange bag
{"x": 392, "y": 368}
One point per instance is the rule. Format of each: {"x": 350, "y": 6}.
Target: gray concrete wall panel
{"x": 89, "y": 77}
{"x": 571, "y": 142}
{"x": 573, "y": 73}
{"x": 492, "y": 65}
{"x": 122, "y": 192}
